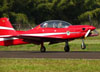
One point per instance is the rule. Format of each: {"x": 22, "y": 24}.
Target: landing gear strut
{"x": 42, "y": 49}
{"x": 66, "y": 48}
{"x": 83, "y": 46}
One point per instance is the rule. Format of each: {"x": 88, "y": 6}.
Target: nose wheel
{"x": 83, "y": 46}
{"x": 66, "y": 48}
{"x": 42, "y": 49}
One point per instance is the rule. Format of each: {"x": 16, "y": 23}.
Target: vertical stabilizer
{"x": 6, "y": 29}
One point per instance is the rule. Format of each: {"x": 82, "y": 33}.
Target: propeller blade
{"x": 95, "y": 31}
{"x": 87, "y": 33}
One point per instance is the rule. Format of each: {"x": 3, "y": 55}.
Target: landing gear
{"x": 42, "y": 49}
{"x": 66, "y": 48}
{"x": 83, "y": 46}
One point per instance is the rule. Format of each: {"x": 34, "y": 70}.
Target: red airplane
{"x": 53, "y": 31}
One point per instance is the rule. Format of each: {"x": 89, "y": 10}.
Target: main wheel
{"x": 66, "y": 49}
{"x": 43, "y": 49}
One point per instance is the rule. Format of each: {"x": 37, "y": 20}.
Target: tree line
{"x": 37, "y": 11}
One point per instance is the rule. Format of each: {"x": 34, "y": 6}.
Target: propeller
{"x": 83, "y": 46}
{"x": 87, "y": 33}
{"x": 96, "y": 32}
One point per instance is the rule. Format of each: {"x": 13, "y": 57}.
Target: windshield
{"x": 55, "y": 24}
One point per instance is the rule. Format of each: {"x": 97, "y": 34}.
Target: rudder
{"x": 6, "y": 29}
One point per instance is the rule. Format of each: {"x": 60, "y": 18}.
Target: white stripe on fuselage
{"x": 43, "y": 34}
{"x": 6, "y": 28}
{"x": 46, "y": 34}
{"x": 40, "y": 34}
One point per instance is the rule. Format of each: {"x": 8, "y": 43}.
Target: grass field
{"x": 49, "y": 65}
{"x": 52, "y": 65}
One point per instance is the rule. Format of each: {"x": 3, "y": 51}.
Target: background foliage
{"x": 37, "y": 11}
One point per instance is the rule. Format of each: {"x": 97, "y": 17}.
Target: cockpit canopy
{"x": 55, "y": 24}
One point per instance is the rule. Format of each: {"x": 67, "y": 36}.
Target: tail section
{"x": 6, "y": 29}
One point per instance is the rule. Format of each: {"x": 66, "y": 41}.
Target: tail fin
{"x": 6, "y": 29}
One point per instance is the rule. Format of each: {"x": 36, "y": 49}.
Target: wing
{"x": 43, "y": 36}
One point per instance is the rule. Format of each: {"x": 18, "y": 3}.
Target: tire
{"x": 43, "y": 49}
{"x": 83, "y": 46}
{"x": 66, "y": 49}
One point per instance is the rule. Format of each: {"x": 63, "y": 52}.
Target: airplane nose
{"x": 92, "y": 27}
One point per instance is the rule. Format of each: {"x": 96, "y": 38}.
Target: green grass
{"x": 49, "y": 65}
